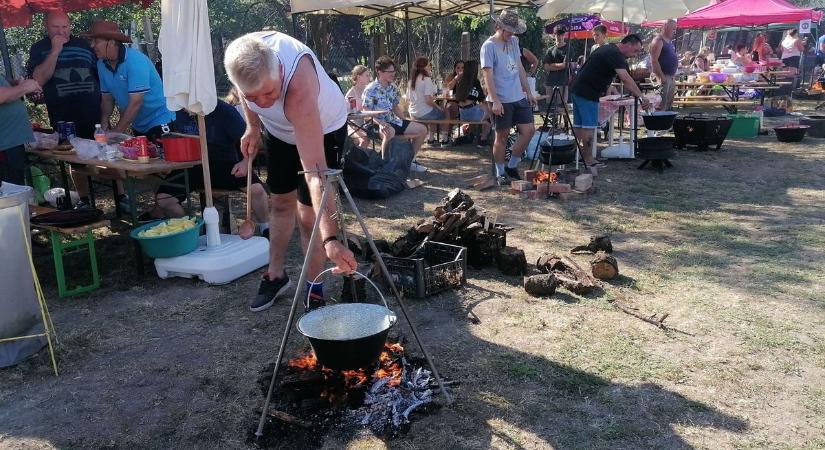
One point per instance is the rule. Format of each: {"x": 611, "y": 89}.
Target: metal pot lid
{"x": 660, "y": 113}
{"x": 346, "y": 321}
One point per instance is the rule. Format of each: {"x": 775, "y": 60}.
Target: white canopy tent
{"x": 627, "y": 11}
{"x": 367, "y": 9}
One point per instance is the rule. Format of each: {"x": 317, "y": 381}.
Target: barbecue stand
{"x": 333, "y": 181}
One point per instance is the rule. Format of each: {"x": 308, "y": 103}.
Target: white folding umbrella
{"x": 189, "y": 83}
{"x": 628, "y": 11}
{"x": 189, "y": 79}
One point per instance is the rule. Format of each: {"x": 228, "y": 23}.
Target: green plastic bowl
{"x": 170, "y": 245}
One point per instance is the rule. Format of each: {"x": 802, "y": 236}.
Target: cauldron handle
{"x": 355, "y": 272}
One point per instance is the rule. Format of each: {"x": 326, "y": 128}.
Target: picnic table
{"x": 131, "y": 171}
{"x": 730, "y": 100}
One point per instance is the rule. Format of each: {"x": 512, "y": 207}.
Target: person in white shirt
{"x": 302, "y": 113}
{"x": 792, "y": 48}
{"x": 421, "y": 95}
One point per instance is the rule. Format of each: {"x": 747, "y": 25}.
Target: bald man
{"x": 665, "y": 62}
{"x": 66, "y": 67}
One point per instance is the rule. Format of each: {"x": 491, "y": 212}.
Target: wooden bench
{"x": 60, "y": 249}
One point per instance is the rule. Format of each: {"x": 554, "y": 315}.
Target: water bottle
{"x": 100, "y": 138}
{"x": 760, "y": 113}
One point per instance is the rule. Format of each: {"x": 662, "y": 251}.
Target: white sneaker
{"x": 415, "y": 167}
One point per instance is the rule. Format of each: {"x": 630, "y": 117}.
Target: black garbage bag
{"x": 371, "y": 177}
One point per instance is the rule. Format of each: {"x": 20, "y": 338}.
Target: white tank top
{"x": 331, "y": 102}
{"x": 788, "y": 48}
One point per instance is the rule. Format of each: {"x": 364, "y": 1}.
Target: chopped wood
{"x": 567, "y": 272}
{"x": 549, "y": 262}
{"x": 596, "y": 244}
{"x": 511, "y": 261}
{"x": 289, "y": 418}
{"x": 604, "y": 266}
{"x": 543, "y": 285}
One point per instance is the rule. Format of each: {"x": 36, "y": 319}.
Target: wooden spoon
{"x": 247, "y": 228}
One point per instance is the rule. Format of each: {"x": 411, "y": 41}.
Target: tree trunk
{"x": 511, "y": 261}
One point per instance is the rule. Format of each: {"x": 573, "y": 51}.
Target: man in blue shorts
{"x": 129, "y": 79}
{"x": 595, "y": 77}
{"x": 507, "y": 89}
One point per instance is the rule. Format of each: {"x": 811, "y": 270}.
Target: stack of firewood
{"x": 458, "y": 221}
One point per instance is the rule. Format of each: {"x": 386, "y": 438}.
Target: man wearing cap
{"x": 508, "y": 91}
{"x": 302, "y": 113}
{"x": 129, "y": 79}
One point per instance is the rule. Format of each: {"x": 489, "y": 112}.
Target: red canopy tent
{"x": 731, "y": 13}
{"x": 18, "y": 13}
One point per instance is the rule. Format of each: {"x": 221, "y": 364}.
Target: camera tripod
{"x": 333, "y": 181}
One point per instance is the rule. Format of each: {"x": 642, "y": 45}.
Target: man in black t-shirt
{"x": 557, "y": 64}
{"x": 592, "y": 82}
{"x": 66, "y": 67}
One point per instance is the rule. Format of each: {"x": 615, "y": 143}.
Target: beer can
{"x": 142, "y": 149}
{"x": 70, "y": 130}
{"x": 353, "y": 106}
{"x": 60, "y": 129}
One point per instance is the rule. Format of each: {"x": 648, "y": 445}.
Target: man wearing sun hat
{"x": 129, "y": 80}
{"x": 508, "y": 91}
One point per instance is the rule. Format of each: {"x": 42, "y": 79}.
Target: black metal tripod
{"x": 551, "y": 121}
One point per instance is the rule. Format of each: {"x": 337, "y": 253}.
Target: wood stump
{"x": 511, "y": 261}
{"x": 543, "y": 285}
{"x": 604, "y": 266}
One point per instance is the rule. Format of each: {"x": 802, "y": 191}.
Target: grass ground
{"x": 730, "y": 243}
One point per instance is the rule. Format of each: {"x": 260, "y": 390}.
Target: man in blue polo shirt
{"x": 129, "y": 79}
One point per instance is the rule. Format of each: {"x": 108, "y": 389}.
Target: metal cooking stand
{"x": 552, "y": 118}
{"x": 333, "y": 178}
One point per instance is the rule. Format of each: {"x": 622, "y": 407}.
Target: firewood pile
{"x": 457, "y": 221}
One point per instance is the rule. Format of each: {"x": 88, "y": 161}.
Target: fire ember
{"x": 313, "y": 399}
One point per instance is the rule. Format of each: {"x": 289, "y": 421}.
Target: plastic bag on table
{"x": 86, "y": 148}
{"x": 46, "y": 141}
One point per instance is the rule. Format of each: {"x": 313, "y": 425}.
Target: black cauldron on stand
{"x": 556, "y": 150}
{"x": 656, "y": 151}
{"x": 659, "y": 120}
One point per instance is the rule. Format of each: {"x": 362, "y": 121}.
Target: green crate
{"x": 744, "y": 126}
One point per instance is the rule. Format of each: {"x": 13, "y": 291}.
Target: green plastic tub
{"x": 744, "y": 126}
{"x": 170, "y": 245}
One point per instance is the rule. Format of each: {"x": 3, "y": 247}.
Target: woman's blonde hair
{"x": 357, "y": 71}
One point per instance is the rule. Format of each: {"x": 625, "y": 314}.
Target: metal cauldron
{"x": 558, "y": 150}
{"x": 348, "y": 336}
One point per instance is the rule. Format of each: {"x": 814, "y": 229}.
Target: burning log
{"x": 604, "y": 266}
{"x": 543, "y": 285}
{"x": 597, "y": 243}
{"x": 511, "y": 261}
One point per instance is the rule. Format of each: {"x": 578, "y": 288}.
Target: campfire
{"x": 314, "y": 398}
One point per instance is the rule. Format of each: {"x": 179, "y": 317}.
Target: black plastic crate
{"x": 437, "y": 267}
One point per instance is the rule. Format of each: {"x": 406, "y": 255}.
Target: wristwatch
{"x": 328, "y": 240}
